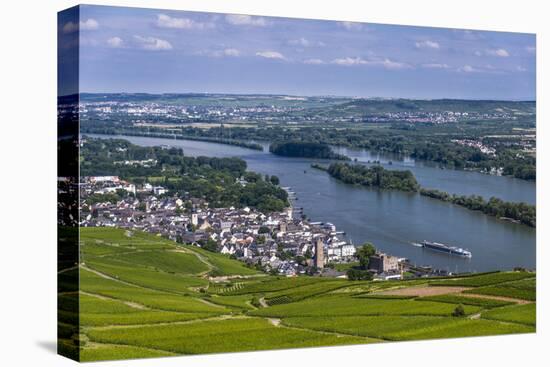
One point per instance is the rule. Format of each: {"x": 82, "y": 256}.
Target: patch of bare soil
{"x": 423, "y": 291}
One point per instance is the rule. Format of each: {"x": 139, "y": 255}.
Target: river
{"x": 393, "y": 220}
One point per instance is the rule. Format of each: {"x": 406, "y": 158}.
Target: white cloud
{"x": 115, "y": 42}
{"x": 521, "y": 68}
{"x": 313, "y": 61}
{"x": 468, "y": 69}
{"x": 241, "y": 19}
{"x": 300, "y": 42}
{"x": 271, "y": 55}
{"x": 351, "y": 26}
{"x": 531, "y": 49}
{"x": 348, "y": 61}
{"x": 166, "y": 21}
{"x": 231, "y": 52}
{"x": 435, "y": 66}
{"x": 225, "y": 52}
{"x": 84, "y": 25}
{"x": 500, "y": 52}
{"x": 427, "y": 44}
{"x": 468, "y": 34}
{"x": 89, "y": 25}
{"x": 386, "y": 63}
{"x": 477, "y": 53}
{"x": 394, "y": 65}
{"x": 303, "y": 42}
{"x": 152, "y": 43}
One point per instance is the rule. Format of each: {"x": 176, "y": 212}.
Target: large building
{"x": 319, "y": 254}
{"x": 381, "y": 263}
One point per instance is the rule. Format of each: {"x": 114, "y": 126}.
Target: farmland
{"x": 523, "y": 314}
{"x": 523, "y": 289}
{"x": 143, "y": 296}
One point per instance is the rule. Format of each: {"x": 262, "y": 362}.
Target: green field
{"x": 101, "y": 312}
{"x": 167, "y": 261}
{"x": 407, "y": 327}
{"x": 463, "y": 300}
{"x": 238, "y": 302}
{"x": 329, "y": 306}
{"x": 144, "y": 296}
{"x": 306, "y": 291}
{"x": 525, "y": 289}
{"x": 99, "y": 352}
{"x": 484, "y": 279}
{"x": 219, "y": 336}
{"x": 523, "y": 314}
{"x": 223, "y": 264}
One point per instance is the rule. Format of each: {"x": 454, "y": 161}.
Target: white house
{"x": 159, "y": 190}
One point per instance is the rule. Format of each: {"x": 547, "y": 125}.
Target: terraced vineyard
{"x": 144, "y": 296}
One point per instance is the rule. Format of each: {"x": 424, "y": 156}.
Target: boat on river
{"x": 441, "y": 247}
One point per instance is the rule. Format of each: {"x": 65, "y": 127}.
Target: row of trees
{"x": 212, "y": 179}
{"x": 495, "y": 207}
{"x": 305, "y": 149}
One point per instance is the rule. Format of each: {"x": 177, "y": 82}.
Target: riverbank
{"x": 378, "y": 177}
{"x": 233, "y": 142}
{"x": 392, "y": 220}
{"x": 495, "y": 207}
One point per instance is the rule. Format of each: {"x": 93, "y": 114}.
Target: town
{"x": 278, "y": 243}
{"x": 202, "y": 108}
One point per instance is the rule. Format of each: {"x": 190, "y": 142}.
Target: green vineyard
{"x": 144, "y": 296}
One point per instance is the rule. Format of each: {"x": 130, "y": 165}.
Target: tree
{"x": 358, "y": 274}
{"x": 210, "y": 245}
{"x": 364, "y": 253}
{"x": 274, "y": 180}
{"x": 458, "y": 311}
{"x": 263, "y": 229}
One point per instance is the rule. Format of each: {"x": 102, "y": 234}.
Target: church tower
{"x": 319, "y": 254}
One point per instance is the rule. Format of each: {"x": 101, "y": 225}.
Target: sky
{"x": 163, "y": 51}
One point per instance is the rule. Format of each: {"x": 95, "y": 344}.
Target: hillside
{"x": 144, "y": 296}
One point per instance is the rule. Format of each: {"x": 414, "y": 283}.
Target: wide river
{"x": 393, "y": 220}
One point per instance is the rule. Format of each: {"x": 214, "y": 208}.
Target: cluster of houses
{"x": 277, "y": 242}
{"x": 111, "y": 184}
{"x": 476, "y": 144}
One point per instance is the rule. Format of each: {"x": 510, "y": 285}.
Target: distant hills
{"x": 333, "y": 103}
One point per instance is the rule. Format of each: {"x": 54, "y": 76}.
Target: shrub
{"x": 215, "y": 272}
{"x": 458, "y": 311}
{"x": 357, "y": 274}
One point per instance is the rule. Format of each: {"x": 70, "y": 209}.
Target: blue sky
{"x": 163, "y": 51}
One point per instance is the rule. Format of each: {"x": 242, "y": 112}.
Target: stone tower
{"x": 319, "y": 254}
